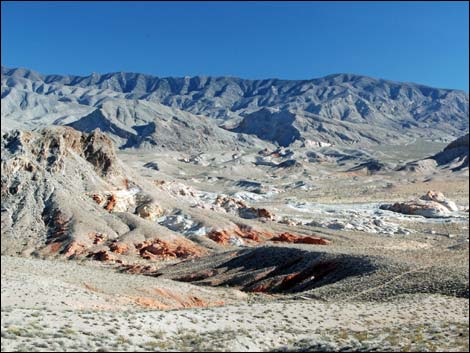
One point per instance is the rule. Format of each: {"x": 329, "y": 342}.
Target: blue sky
{"x": 424, "y": 42}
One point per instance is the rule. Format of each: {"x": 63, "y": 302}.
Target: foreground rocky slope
{"x": 65, "y": 192}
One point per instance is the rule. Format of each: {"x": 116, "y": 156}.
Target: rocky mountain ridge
{"x": 341, "y": 108}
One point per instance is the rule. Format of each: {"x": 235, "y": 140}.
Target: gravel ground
{"x": 57, "y": 321}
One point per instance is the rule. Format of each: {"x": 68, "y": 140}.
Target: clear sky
{"x": 424, "y": 42}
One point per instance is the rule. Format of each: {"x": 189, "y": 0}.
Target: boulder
{"x": 264, "y": 213}
{"x": 102, "y": 255}
{"x": 440, "y": 198}
{"x": 231, "y": 204}
{"x": 74, "y": 248}
{"x": 429, "y": 209}
{"x": 111, "y": 203}
{"x": 149, "y": 211}
{"x": 97, "y": 238}
{"x": 431, "y": 205}
{"x": 119, "y": 247}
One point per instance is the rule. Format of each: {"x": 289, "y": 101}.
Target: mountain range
{"x": 143, "y": 111}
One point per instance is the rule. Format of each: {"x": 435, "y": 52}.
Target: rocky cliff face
{"x": 337, "y": 108}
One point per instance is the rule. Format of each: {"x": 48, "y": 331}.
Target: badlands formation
{"x": 222, "y": 214}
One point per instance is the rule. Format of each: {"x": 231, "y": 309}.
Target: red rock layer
{"x": 102, "y": 255}
{"x": 157, "y": 249}
{"x": 138, "y": 269}
{"x": 264, "y": 213}
{"x": 97, "y": 198}
{"x": 297, "y": 239}
{"x": 119, "y": 247}
{"x": 224, "y": 236}
{"x": 254, "y": 236}
{"x": 111, "y": 203}
{"x": 173, "y": 300}
{"x": 74, "y": 249}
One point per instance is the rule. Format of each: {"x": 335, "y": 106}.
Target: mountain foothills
{"x": 313, "y": 215}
